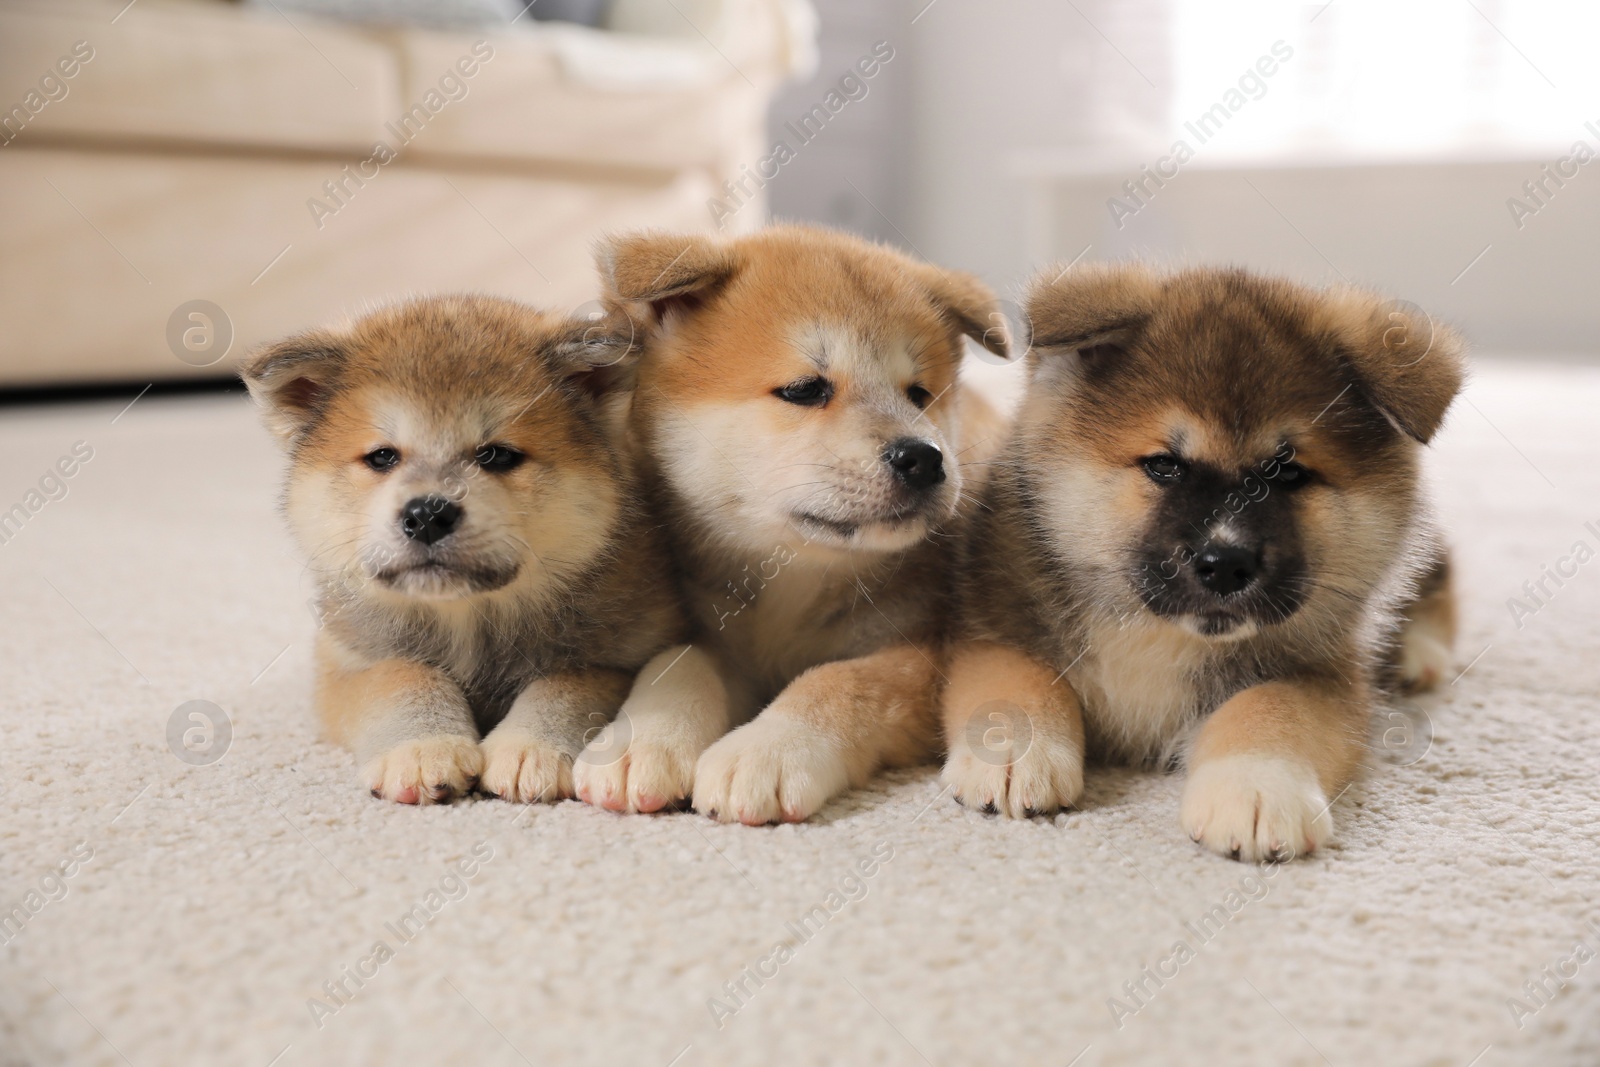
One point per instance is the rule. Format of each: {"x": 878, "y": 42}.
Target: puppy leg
{"x": 830, "y": 729}
{"x": 529, "y": 755}
{"x": 408, "y": 724}
{"x": 1013, "y": 730}
{"x": 645, "y": 760}
{"x": 1428, "y": 633}
{"x": 1268, "y": 764}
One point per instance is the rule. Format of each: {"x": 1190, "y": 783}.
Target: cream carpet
{"x": 212, "y": 907}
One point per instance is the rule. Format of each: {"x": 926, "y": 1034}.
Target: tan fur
{"x": 1266, "y": 693}
{"x": 1014, "y": 732}
{"x": 1429, "y": 632}
{"x": 531, "y": 614}
{"x": 819, "y": 589}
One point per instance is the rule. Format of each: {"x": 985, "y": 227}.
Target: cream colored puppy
{"x": 483, "y": 558}
{"x": 801, "y": 417}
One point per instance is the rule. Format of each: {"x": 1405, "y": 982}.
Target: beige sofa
{"x": 288, "y": 171}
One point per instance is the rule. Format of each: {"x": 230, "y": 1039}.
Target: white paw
{"x": 622, "y": 773}
{"x": 429, "y": 770}
{"x": 1255, "y": 808}
{"x": 771, "y": 769}
{"x": 522, "y": 768}
{"x": 1016, "y": 776}
{"x": 1424, "y": 657}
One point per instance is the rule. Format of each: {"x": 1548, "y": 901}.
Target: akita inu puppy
{"x": 800, "y": 413}
{"x": 479, "y": 544}
{"x": 1198, "y": 545}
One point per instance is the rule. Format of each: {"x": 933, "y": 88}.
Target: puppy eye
{"x": 381, "y": 459}
{"x": 497, "y": 459}
{"x": 807, "y": 392}
{"x": 1164, "y": 469}
{"x": 1102, "y": 352}
{"x": 918, "y": 396}
{"x": 1291, "y": 476}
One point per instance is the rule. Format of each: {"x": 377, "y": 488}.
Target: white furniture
{"x": 189, "y": 153}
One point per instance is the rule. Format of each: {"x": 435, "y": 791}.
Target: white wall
{"x": 996, "y": 81}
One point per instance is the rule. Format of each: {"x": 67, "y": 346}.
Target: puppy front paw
{"x": 622, "y": 774}
{"x": 522, "y": 768}
{"x": 1425, "y": 656}
{"x": 428, "y": 770}
{"x": 1255, "y": 808}
{"x": 769, "y": 770}
{"x": 1015, "y": 776}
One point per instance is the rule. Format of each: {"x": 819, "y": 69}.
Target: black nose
{"x": 1225, "y": 569}
{"x": 919, "y": 464}
{"x": 429, "y": 518}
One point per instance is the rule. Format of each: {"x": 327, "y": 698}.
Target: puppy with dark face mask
{"x": 481, "y": 553}
{"x": 799, "y": 408}
{"x": 1206, "y": 541}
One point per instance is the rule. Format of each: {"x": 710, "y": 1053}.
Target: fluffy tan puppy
{"x": 800, "y": 416}
{"x": 1199, "y": 547}
{"x": 483, "y": 557}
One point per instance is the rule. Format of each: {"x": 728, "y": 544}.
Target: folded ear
{"x": 969, "y": 304}
{"x": 293, "y": 378}
{"x": 1080, "y": 307}
{"x": 598, "y": 354}
{"x": 658, "y": 268}
{"x": 1408, "y": 365}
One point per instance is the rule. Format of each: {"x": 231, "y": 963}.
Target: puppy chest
{"x": 780, "y": 627}
{"x": 1138, "y": 689}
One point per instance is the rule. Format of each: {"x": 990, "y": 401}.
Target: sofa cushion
{"x": 148, "y": 233}
{"x": 187, "y": 71}
{"x": 559, "y": 95}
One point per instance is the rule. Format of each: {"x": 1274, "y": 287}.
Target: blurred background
{"x": 187, "y": 178}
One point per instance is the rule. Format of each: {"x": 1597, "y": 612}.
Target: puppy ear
{"x": 1082, "y": 307}
{"x": 1409, "y": 366}
{"x": 969, "y": 304}
{"x": 597, "y": 355}
{"x": 659, "y": 268}
{"x": 293, "y": 379}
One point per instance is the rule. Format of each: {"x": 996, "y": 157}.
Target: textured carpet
{"x": 208, "y": 904}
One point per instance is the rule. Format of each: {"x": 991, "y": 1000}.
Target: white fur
{"x": 1262, "y": 807}
{"x": 1018, "y": 775}
{"x": 646, "y": 758}
{"x": 423, "y": 764}
{"x": 773, "y": 768}
{"x": 1135, "y": 683}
